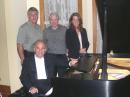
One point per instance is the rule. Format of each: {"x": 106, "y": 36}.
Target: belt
{"x": 58, "y": 55}
{"x": 28, "y": 53}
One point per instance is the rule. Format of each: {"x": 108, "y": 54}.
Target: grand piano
{"x": 116, "y": 29}
{"x": 91, "y": 88}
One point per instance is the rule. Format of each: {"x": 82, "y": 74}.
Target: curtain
{"x": 64, "y": 8}
{"x": 99, "y": 41}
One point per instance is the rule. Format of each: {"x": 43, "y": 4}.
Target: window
{"x": 63, "y": 7}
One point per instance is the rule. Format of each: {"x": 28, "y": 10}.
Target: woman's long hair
{"x": 80, "y": 21}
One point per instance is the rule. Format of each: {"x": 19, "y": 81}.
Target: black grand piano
{"x": 115, "y": 25}
{"x": 91, "y": 88}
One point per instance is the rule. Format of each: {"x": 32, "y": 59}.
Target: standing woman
{"x": 76, "y": 37}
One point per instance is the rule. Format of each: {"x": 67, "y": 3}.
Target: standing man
{"x": 54, "y": 36}
{"x": 28, "y": 33}
{"x": 35, "y": 75}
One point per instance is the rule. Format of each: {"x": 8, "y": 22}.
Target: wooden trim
{"x": 94, "y": 25}
{"x": 5, "y": 90}
{"x": 80, "y": 7}
{"x": 42, "y": 18}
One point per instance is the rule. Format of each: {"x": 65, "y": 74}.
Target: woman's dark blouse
{"x": 73, "y": 44}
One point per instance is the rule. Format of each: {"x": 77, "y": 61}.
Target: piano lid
{"x": 118, "y": 24}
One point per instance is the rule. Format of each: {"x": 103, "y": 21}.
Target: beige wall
{"x": 88, "y": 21}
{"x": 4, "y": 66}
{"x": 13, "y": 14}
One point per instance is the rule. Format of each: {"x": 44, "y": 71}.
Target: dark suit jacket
{"x": 73, "y": 44}
{"x": 28, "y": 75}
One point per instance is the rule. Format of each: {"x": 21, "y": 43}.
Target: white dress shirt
{"x": 80, "y": 40}
{"x": 40, "y": 68}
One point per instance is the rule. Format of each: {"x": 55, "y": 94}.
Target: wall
{"x": 88, "y": 21}
{"x": 4, "y": 66}
{"x": 15, "y": 15}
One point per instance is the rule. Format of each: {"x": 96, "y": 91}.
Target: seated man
{"x": 35, "y": 76}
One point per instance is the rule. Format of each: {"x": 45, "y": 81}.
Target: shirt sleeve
{"x": 21, "y": 36}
